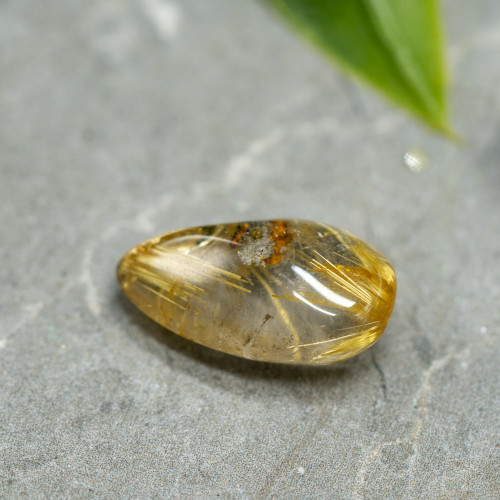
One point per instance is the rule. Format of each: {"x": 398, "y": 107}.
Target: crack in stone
{"x": 383, "y": 383}
{"x": 421, "y": 398}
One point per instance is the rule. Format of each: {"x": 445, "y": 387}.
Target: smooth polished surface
{"x": 283, "y": 291}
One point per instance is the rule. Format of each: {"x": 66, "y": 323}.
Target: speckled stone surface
{"x": 121, "y": 120}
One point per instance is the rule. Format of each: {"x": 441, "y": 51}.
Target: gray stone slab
{"x": 121, "y": 120}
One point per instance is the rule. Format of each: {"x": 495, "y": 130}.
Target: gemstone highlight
{"x": 281, "y": 291}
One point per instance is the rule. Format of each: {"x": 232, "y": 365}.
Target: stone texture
{"x": 126, "y": 119}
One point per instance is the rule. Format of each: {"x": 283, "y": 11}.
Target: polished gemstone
{"x": 282, "y": 291}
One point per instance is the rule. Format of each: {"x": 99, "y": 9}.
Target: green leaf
{"x": 394, "y": 45}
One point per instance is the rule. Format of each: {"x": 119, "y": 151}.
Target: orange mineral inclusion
{"x": 282, "y": 291}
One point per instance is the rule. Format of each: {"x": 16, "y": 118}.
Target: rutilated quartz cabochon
{"x": 282, "y": 291}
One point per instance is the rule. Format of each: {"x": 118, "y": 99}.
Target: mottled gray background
{"x": 123, "y": 119}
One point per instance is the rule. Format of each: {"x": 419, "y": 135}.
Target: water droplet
{"x": 416, "y": 160}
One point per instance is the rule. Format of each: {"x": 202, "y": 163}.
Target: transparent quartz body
{"x": 283, "y": 291}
